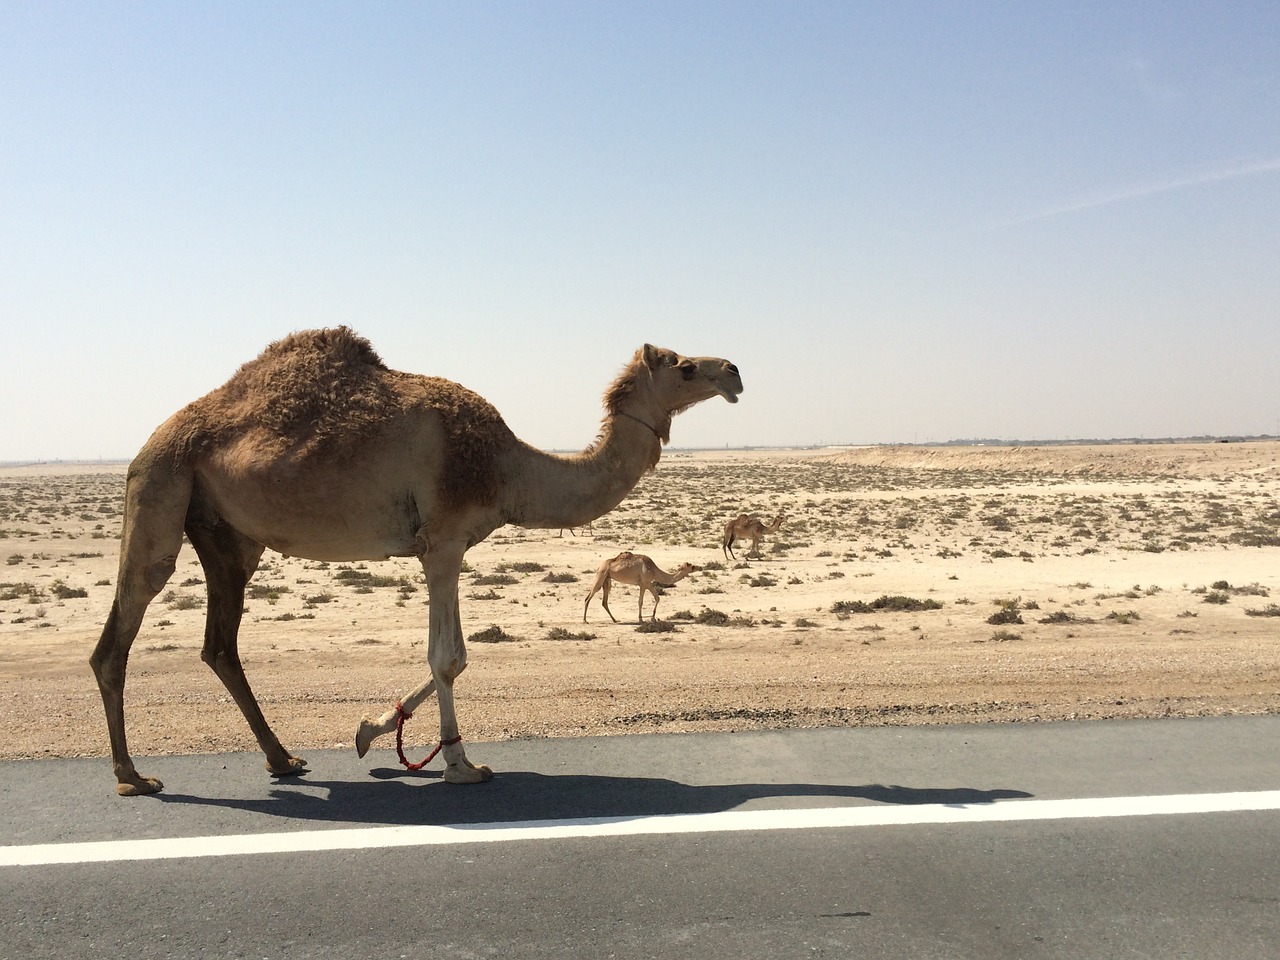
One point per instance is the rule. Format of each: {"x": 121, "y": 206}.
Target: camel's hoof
{"x": 366, "y": 733}
{"x": 470, "y": 773}
{"x": 295, "y": 766}
{"x": 139, "y": 787}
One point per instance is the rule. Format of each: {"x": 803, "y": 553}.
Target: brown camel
{"x": 639, "y": 571}
{"x": 317, "y": 449}
{"x": 747, "y": 527}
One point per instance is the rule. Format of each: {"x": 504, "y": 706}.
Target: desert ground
{"x": 906, "y": 585}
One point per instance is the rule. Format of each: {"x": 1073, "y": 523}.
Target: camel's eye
{"x": 688, "y": 368}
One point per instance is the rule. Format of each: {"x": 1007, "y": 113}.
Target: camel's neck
{"x": 546, "y": 490}
{"x": 668, "y": 579}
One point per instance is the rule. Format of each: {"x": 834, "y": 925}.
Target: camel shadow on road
{"x": 397, "y": 798}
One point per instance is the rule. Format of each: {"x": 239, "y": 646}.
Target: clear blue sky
{"x": 903, "y": 221}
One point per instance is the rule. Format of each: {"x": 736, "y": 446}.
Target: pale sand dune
{"x": 1120, "y": 543}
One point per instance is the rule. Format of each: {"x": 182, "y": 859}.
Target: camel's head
{"x": 687, "y": 568}
{"x": 680, "y": 382}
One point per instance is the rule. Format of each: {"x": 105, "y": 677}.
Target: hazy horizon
{"x": 678, "y": 448}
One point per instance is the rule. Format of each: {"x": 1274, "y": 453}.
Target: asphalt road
{"x": 700, "y": 845}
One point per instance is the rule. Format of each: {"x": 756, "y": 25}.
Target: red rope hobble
{"x": 401, "y": 716}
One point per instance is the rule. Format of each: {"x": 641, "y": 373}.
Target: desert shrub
{"x": 264, "y": 591}
{"x": 1216, "y": 596}
{"x": 712, "y": 618}
{"x": 492, "y": 634}
{"x": 15, "y": 559}
{"x": 493, "y": 580}
{"x": 64, "y": 592}
{"x": 904, "y": 604}
{"x": 487, "y": 595}
{"x": 899, "y": 604}
{"x": 1250, "y": 590}
{"x": 1254, "y": 538}
{"x": 560, "y": 578}
{"x": 1003, "y": 636}
{"x": 560, "y": 633}
{"x": 364, "y": 581}
{"x": 1062, "y": 616}
{"x": 1005, "y": 615}
{"x": 524, "y": 566}
{"x": 656, "y": 626}
{"x": 850, "y": 606}
{"x": 1124, "y": 617}
{"x": 1270, "y": 610}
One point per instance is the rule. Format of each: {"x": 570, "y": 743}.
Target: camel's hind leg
{"x": 229, "y": 560}
{"x": 156, "y": 500}
{"x": 604, "y": 599}
{"x": 600, "y": 586}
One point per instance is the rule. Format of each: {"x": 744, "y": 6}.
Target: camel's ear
{"x": 655, "y": 357}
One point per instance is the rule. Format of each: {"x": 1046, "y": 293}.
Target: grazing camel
{"x": 747, "y": 527}
{"x": 317, "y": 449}
{"x": 639, "y": 571}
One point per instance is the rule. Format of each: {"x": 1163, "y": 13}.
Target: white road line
{"x": 366, "y": 838}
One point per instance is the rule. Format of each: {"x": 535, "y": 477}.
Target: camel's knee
{"x": 223, "y": 662}
{"x": 159, "y": 571}
{"x": 112, "y": 649}
{"x": 445, "y": 670}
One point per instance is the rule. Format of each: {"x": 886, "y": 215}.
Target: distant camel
{"x": 747, "y": 527}
{"x": 590, "y": 528}
{"x": 639, "y": 571}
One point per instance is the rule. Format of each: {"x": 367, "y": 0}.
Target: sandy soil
{"x": 1133, "y": 581}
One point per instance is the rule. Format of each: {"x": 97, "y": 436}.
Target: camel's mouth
{"x": 727, "y": 392}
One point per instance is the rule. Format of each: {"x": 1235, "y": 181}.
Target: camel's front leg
{"x": 370, "y": 729}
{"x": 447, "y": 655}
